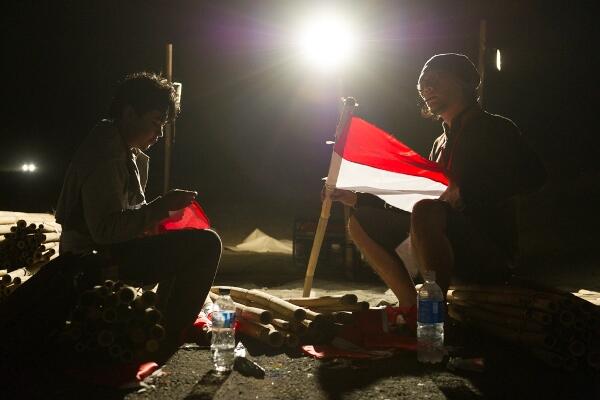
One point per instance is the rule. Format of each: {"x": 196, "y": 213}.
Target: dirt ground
{"x": 509, "y": 372}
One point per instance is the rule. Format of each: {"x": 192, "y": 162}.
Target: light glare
{"x": 498, "y": 60}
{"x": 29, "y": 167}
{"x": 327, "y": 41}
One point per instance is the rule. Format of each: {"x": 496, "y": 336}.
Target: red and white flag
{"x": 368, "y": 159}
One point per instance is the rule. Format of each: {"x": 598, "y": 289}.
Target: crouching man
{"x": 469, "y": 234}
{"x": 102, "y": 206}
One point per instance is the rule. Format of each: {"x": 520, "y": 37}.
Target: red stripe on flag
{"x": 366, "y": 144}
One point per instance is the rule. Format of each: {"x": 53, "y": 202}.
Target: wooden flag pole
{"x": 170, "y": 126}
{"x": 334, "y": 169}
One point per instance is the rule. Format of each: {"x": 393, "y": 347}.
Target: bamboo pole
{"x": 265, "y": 333}
{"x": 359, "y": 306}
{"x": 508, "y": 321}
{"x": 512, "y": 311}
{"x": 264, "y": 300}
{"x": 14, "y": 216}
{"x": 343, "y": 317}
{"x": 334, "y": 166}
{"x": 292, "y": 326}
{"x": 508, "y": 299}
{"x": 253, "y": 314}
{"x": 37, "y": 225}
{"x": 315, "y": 316}
{"x": 6, "y": 229}
{"x": 7, "y": 219}
{"x": 281, "y": 324}
{"x": 51, "y": 237}
{"x": 310, "y": 302}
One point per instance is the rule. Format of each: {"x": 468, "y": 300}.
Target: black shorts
{"x": 477, "y": 259}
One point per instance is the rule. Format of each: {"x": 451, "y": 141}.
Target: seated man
{"x": 102, "y": 206}
{"x": 470, "y": 232}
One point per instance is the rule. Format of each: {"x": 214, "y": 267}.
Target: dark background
{"x": 254, "y": 117}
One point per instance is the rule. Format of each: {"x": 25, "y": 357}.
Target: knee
{"x": 203, "y": 244}
{"x": 428, "y": 214}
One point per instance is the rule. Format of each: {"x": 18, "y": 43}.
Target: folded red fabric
{"x": 376, "y": 333}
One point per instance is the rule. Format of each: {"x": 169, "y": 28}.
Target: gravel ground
{"x": 509, "y": 372}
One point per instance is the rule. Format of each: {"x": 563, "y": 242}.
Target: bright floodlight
{"x": 30, "y": 167}
{"x": 327, "y": 41}
{"x": 498, "y": 60}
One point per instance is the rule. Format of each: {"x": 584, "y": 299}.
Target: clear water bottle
{"x": 223, "y": 339}
{"x": 430, "y": 321}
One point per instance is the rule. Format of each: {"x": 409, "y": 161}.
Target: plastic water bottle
{"x": 223, "y": 339}
{"x": 430, "y": 321}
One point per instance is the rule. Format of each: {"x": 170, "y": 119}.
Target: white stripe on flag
{"x": 399, "y": 190}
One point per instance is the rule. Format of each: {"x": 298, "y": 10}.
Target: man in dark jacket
{"x": 102, "y": 207}
{"x": 470, "y": 232}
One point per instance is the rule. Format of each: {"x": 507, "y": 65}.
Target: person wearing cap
{"x": 469, "y": 234}
{"x": 103, "y": 209}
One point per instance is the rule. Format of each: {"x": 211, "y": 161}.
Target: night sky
{"x": 255, "y": 117}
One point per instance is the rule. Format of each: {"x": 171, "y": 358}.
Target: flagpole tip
{"x": 349, "y": 101}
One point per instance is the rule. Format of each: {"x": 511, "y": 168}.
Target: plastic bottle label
{"x": 224, "y": 319}
{"x": 431, "y": 311}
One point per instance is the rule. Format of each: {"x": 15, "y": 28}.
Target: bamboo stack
{"x": 115, "y": 321}
{"x": 277, "y": 322}
{"x": 27, "y": 240}
{"x": 558, "y": 327}
{"x": 10, "y": 281}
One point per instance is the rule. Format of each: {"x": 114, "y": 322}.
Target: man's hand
{"x": 177, "y": 199}
{"x": 346, "y": 197}
{"x": 452, "y": 196}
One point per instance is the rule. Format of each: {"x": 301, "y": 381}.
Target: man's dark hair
{"x": 460, "y": 67}
{"x": 145, "y": 92}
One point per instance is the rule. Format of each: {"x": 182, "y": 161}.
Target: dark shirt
{"x": 486, "y": 156}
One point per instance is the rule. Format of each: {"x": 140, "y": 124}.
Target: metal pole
{"x": 169, "y": 128}
{"x": 482, "y": 51}
{"x": 334, "y": 169}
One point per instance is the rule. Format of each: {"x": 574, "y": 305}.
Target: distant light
{"x": 326, "y": 41}
{"x": 498, "y": 60}
{"x": 30, "y": 167}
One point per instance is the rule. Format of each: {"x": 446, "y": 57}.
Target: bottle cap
{"x": 429, "y": 276}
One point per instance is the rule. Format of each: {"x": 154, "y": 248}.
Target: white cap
{"x": 429, "y": 276}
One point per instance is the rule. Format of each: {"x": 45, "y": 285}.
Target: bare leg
{"x": 390, "y": 269}
{"x": 429, "y": 240}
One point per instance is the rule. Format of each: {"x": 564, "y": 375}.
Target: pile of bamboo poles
{"x": 115, "y": 321}
{"x": 27, "y": 240}
{"x": 291, "y": 322}
{"x": 10, "y": 281}
{"x": 559, "y": 328}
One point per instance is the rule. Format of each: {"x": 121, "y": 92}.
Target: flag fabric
{"x": 191, "y": 217}
{"x": 372, "y": 161}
